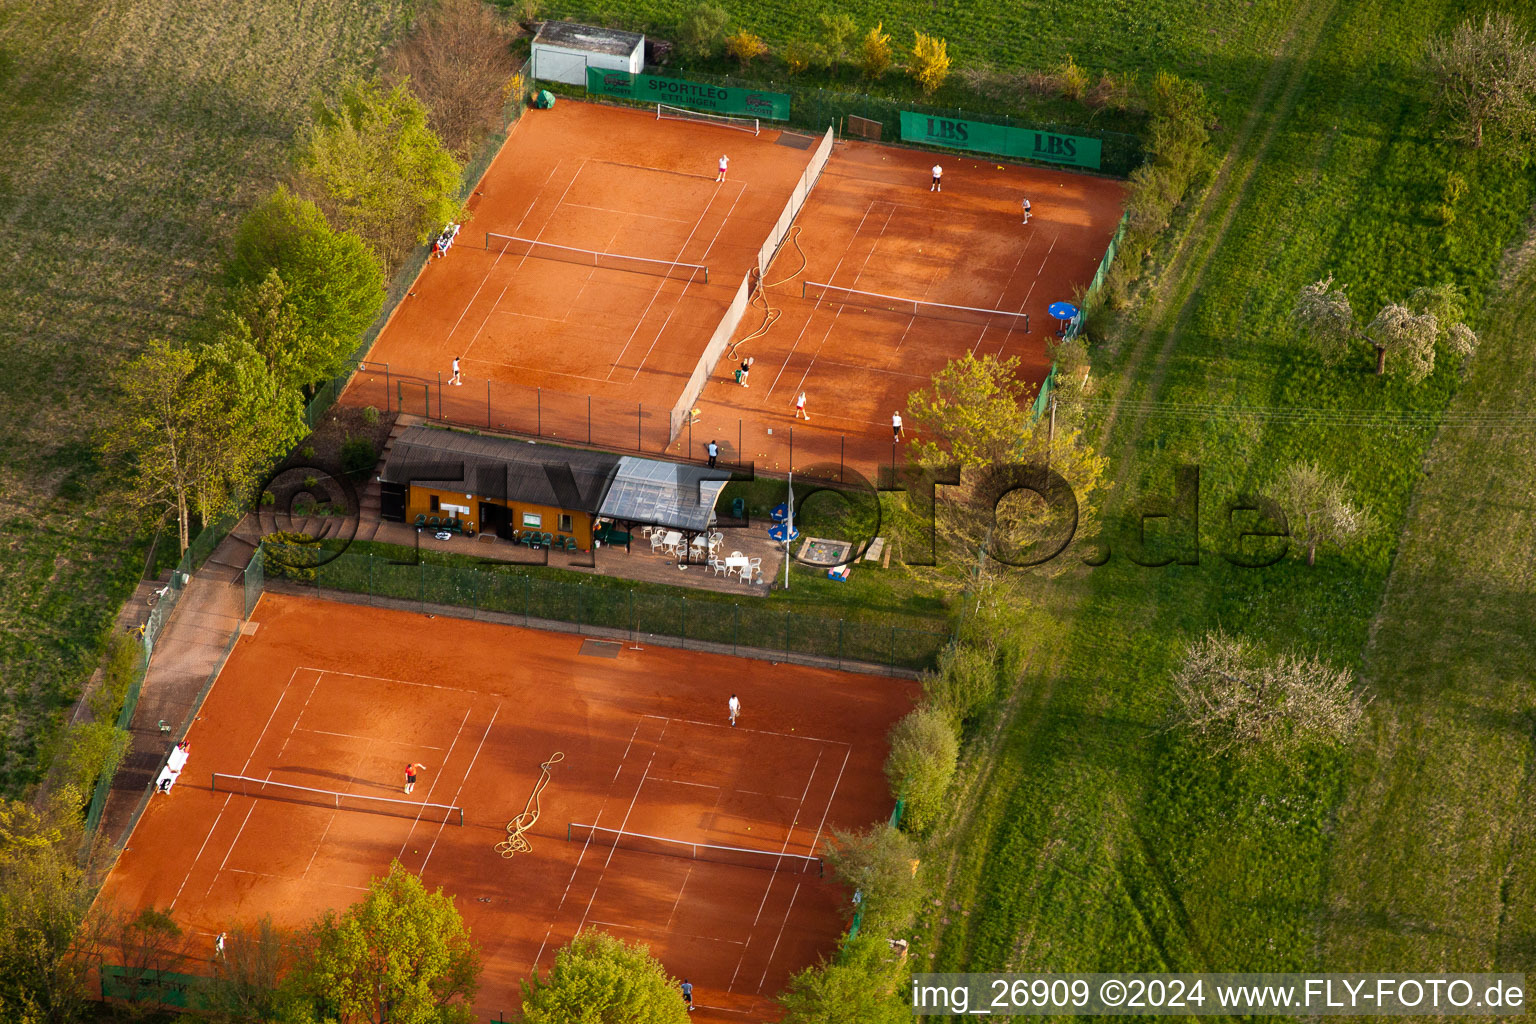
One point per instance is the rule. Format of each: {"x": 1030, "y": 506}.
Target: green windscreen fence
{"x": 154, "y": 988}
{"x": 1001, "y": 140}
{"x": 680, "y": 92}
{"x": 1043, "y": 399}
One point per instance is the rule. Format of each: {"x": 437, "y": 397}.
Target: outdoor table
{"x": 1065, "y": 312}
{"x": 738, "y": 563}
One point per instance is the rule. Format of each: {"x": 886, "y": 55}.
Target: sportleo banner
{"x": 981, "y": 137}
{"x": 679, "y": 92}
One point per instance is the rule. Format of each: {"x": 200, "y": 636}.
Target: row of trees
{"x": 401, "y": 953}
{"x": 200, "y": 417}
{"x": 840, "y": 43}
{"x": 377, "y": 175}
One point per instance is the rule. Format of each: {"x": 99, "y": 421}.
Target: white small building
{"x": 562, "y": 51}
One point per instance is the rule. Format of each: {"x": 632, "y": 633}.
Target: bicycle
{"x": 155, "y": 596}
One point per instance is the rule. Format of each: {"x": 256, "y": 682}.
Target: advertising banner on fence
{"x": 980, "y": 137}
{"x": 679, "y": 92}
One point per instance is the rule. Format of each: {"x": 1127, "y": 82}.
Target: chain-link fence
{"x": 618, "y": 612}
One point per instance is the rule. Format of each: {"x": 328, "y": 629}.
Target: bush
{"x": 876, "y": 56}
{"x": 858, "y": 985}
{"x": 800, "y": 55}
{"x": 91, "y": 750}
{"x": 745, "y": 47}
{"x": 880, "y": 864}
{"x": 921, "y": 764}
{"x": 358, "y": 456}
{"x": 124, "y": 658}
{"x": 371, "y": 416}
{"x": 378, "y": 168}
{"x": 930, "y": 62}
{"x": 702, "y": 30}
{"x": 1112, "y": 91}
{"x": 964, "y": 683}
{"x": 1071, "y": 79}
{"x": 840, "y": 30}
{"x": 291, "y": 556}
{"x": 597, "y": 977}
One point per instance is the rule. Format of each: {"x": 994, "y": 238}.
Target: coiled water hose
{"x": 759, "y": 296}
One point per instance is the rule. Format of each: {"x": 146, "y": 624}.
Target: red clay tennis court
{"x": 933, "y": 265}
{"x": 524, "y": 301}
{"x": 602, "y": 351}
{"x": 326, "y": 698}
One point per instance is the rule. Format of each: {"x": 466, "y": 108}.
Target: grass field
{"x": 1434, "y": 861}
{"x": 132, "y": 135}
{"x": 1091, "y": 836}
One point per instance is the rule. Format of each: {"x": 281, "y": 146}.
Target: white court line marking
{"x": 517, "y": 229}
{"x": 219, "y": 817}
{"x": 680, "y": 782}
{"x": 633, "y": 213}
{"x": 790, "y": 909}
{"x": 678, "y": 301}
{"x": 823, "y": 823}
{"x": 290, "y": 878}
{"x": 622, "y": 822}
{"x": 760, "y": 732}
{"x": 293, "y": 725}
{"x": 397, "y": 682}
{"x": 771, "y": 953}
{"x": 856, "y": 275}
{"x": 521, "y": 260}
{"x": 868, "y": 210}
{"x": 677, "y": 902}
{"x": 774, "y": 875}
{"x": 365, "y": 739}
{"x": 582, "y": 853}
{"x": 462, "y": 781}
{"x": 437, "y": 775}
{"x": 680, "y": 935}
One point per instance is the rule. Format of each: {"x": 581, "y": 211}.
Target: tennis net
{"x": 247, "y": 786}
{"x": 915, "y": 307}
{"x": 641, "y": 843}
{"x": 515, "y": 246}
{"x": 741, "y": 124}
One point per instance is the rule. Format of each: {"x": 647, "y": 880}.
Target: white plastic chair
{"x": 720, "y": 567}
{"x": 656, "y": 544}
{"x": 755, "y": 567}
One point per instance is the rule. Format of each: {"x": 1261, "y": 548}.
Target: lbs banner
{"x": 680, "y": 92}
{"x": 980, "y": 137}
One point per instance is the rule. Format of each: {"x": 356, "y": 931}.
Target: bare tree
{"x": 1484, "y": 78}
{"x": 1326, "y": 319}
{"x": 147, "y": 944}
{"x": 1237, "y": 700}
{"x": 247, "y": 977}
{"x": 1317, "y": 503}
{"x": 1408, "y": 337}
{"x": 458, "y": 59}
